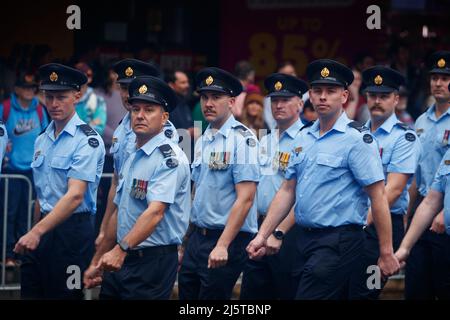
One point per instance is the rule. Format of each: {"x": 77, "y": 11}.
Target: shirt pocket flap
{"x": 329, "y": 160}
{"x": 60, "y": 162}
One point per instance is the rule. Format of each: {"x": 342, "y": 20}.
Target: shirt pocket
{"x": 60, "y": 162}
{"x": 329, "y": 166}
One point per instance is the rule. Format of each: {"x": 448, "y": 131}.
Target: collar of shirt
{"x": 70, "y": 128}
{"x": 293, "y": 130}
{"x": 387, "y": 125}
{"x": 340, "y": 125}
{"x": 432, "y": 115}
{"x": 224, "y": 130}
{"x": 153, "y": 143}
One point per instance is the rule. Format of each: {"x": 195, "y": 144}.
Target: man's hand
{"x": 388, "y": 264}
{"x": 180, "y": 256}
{"x": 112, "y": 260}
{"x": 28, "y": 242}
{"x": 273, "y": 245}
{"x": 256, "y": 249}
{"x": 92, "y": 277}
{"x": 438, "y": 225}
{"x": 218, "y": 257}
{"x": 402, "y": 255}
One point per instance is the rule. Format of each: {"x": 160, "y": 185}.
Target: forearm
{"x": 413, "y": 193}
{"x": 109, "y": 240}
{"x": 238, "y": 214}
{"x": 288, "y": 222}
{"x": 110, "y": 205}
{"x": 279, "y": 208}
{"x": 392, "y": 194}
{"x": 382, "y": 220}
{"x": 144, "y": 226}
{"x": 423, "y": 218}
{"x": 61, "y": 212}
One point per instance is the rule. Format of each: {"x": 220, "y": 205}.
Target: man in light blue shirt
{"x": 153, "y": 204}
{"x": 124, "y": 139}
{"x": 399, "y": 149}
{"x": 67, "y": 166}
{"x": 271, "y": 277}
{"x": 333, "y": 172}
{"x": 437, "y": 199}
{"x": 225, "y": 174}
{"x": 423, "y": 274}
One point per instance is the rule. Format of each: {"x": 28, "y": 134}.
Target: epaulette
{"x": 87, "y": 130}
{"x": 358, "y": 126}
{"x": 243, "y": 131}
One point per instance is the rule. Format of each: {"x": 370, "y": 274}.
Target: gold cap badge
{"x": 378, "y": 80}
{"x": 129, "y": 72}
{"x": 441, "y": 63}
{"x": 53, "y": 77}
{"x": 209, "y": 80}
{"x": 325, "y": 72}
{"x": 278, "y": 86}
{"x": 143, "y": 89}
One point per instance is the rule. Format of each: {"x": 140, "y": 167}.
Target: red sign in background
{"x": 268, "y": 34}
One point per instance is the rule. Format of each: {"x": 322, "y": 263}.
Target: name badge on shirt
{"x": 445, "y": 138}
{"x": 281, "y": 161}
{"x": 139, "y": 189}
{"x": 219, "y": 160}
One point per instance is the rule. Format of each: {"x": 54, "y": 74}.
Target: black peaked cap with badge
{"x": 329, "y": 72}
{"x": 218, "y": 80}
{"x": 58, "y": 77}
{"x": 128, "y": 69}
{"x": 283, "y": 85}
{"x": 153, "y": 90}
{"x": 381, "y": 79}
{"x": 439, "y": 62}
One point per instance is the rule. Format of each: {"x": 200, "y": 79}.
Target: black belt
{"x": 152, "y": 251}
{"x": 76, "y": 215}
{"x": 218, "y": 232}
{"x": 347, "y": 227}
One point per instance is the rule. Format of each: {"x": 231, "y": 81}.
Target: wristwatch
{"x": 123, "y": 246}
{"x": 278, "y": 234}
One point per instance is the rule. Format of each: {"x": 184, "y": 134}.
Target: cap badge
{"x": 209, "y": 80}
{"x": 129, "y": 72}
{"x": 278, "y": 86}
{"x": 143, "y": 89}
{"x": 378, "y": 80}
{"x": 29, "y": 78}
{"x": 325, "y": 72}
{"x": 53, "y": 77}
{"x": 441, "y": 63}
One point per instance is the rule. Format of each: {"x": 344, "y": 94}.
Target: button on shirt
{"x": 73, "y": 154}
{"x": 274, "y": 154}
{"x": 331, "y": 171}
{"x": 441, "y": 184}
{"x": 149, "y": 176}
{"x": 400, "y": 151}
{"x": 434, "y": 137}
{"x": 124, "y": 139}
{"x": 223, "y": 159}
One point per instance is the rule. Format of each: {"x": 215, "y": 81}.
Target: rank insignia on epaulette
{"x": 419, "y": 131}
{"x": 298, "y": 150}
{"x": 447, "y": 162}
{"x": 37, "y": 154}
{"x": 114, "y": 140}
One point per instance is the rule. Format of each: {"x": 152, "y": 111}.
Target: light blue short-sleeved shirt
{"x": 3, "y": 142}
{"x": 78, "y": 153}
{"x": 441, "y": 184}
{"x": 400, "y": 151}
{"x": 158, "y": 171}
{"x": 331, "y": 171}
{"x": 434, "y": 136}
{"x": 124, "y": 139}
{"x": 274, "y": 153}
{"x": 223, "y": 159}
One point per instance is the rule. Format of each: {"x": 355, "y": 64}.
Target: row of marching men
{"x": 304, "y": 213}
